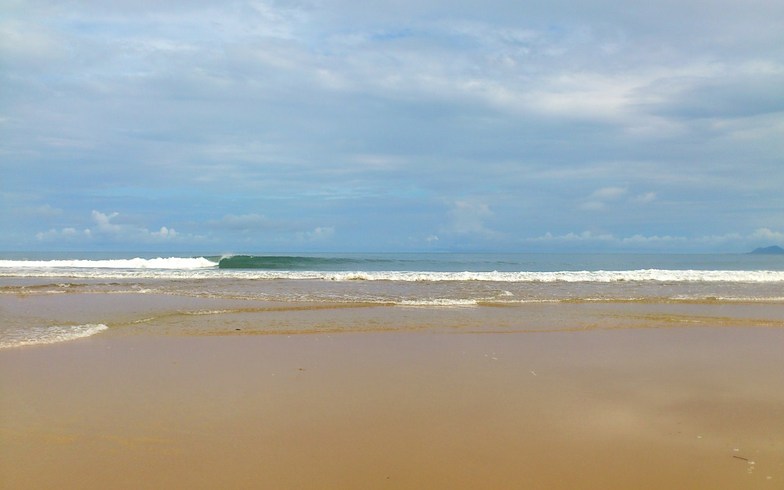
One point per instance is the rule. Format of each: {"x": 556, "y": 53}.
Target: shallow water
{"x": 56, "y": 298}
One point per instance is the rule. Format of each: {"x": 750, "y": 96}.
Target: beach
{"x": 392, "y": 371}
{"x": 438, "y": 245}
{"x": 616, "y": 394}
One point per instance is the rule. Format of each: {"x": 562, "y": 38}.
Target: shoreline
{"x": 131, "y": 314}
{"x": 632, "y": 408}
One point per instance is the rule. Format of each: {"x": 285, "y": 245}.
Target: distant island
{"x": 772, "y": 250}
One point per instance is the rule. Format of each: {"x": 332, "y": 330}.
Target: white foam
{"x": 439, "y": 302}
{"x": 201, "y": 268}
{"x": 207, "y": 312}
{"x": 647, "y": 275}
{"x": 171, "y": 263}
{"x": 730, "y": 299}
{"x": 48, "y": 335}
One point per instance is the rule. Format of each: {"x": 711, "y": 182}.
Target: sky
{"x": 392, "y": 126}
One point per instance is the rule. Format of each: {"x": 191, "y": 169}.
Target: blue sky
{"x": 316, "y": 125}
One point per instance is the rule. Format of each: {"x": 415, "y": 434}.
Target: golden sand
{"x": 601, "y": 409}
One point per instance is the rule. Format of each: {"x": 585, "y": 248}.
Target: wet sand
{"x": 645, "y": 408}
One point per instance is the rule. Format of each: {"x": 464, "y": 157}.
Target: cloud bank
{"x": 428, "y": 125}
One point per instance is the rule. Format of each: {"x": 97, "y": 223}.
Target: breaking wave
{"x": 47, "y": 335}
{"x": 351, "y": 269}
{"x": 292, "y": 262}
{"x": 170, "y": 263}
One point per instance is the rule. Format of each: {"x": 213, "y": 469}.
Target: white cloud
{"x": 768, "y": 234}
{"x": 652, "y": 240}
{"x": 601, "y": 241}
{"x": 601, "y": 198}
{"x": 164, "y": 233}
{"x": 68, "y": 234}
{"x": 104, "y": 223}
{"x": 469, "y": 218}
{"x": 593, "y": 206}
{"x": 762, "y": 236}
{"x": 29, "y": 44}
{"x": 609, "y": 193}
{"x": 105, "y": 228}
{"x": 645, "y": 198}
{"x": 316, "y": 112}
{"x": 318, "y": 234}
{"x": 571, "y": 237}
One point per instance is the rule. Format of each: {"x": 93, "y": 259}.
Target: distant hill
{"x": 772, "y": 250}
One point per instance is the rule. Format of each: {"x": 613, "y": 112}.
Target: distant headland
{"x": 772, "y": 250}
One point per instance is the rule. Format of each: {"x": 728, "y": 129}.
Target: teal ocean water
{"x": 436, "y": 281}
{"x": 404, "y": 267}
{"x": 427, "y": 262}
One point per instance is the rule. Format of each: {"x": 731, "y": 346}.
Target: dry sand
{"x": 629, "y": 408}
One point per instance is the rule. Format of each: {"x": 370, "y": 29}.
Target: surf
{"x": 48, "y": 335}
{"x": 170, "y": 263}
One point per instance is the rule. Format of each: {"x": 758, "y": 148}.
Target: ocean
{"x": 50, "y": 298}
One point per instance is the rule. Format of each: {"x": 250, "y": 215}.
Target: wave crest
{"x": 169, "y": 263}
{"x": 351, "y": 269}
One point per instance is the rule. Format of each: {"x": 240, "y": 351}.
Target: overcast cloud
{"x": 392, "y": 126}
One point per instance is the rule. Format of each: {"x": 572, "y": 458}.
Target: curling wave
{"x": 353, "y": 269}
